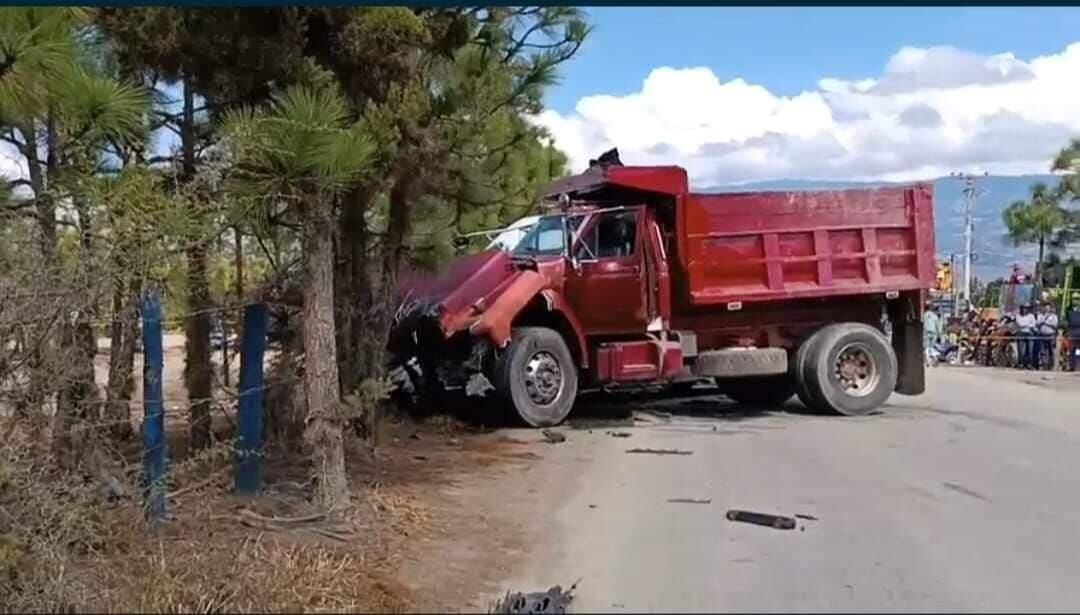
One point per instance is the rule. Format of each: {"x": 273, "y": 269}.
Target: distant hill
{"x": 995, "y": 255}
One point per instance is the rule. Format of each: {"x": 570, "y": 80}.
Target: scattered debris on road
{"x": 649, "y": 415}
{"x": 778, "y": 522}
{"x": 553, "y": 437}
{"x": 619, "y": 434}
{"x": 806, "y": 517}
{"x": 554, "y": 600}
{"x": 420, "y": 457}
{"x": 688, "y": 501}
{"x": 971, "y": 493}
{"x": 592, "y": 505}
{"x": 659, "y": 451}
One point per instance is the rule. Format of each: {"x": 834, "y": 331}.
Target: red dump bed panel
{"x": 776, "y": 245}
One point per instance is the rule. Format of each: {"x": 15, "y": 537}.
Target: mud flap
{"x": 907, "y": 342}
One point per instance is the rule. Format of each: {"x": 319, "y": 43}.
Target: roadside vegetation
{"x": 300, "y": 157}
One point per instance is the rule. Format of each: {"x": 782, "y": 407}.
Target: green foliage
{"x": 228, "y": 54}
{"x": 304, "y": 141}
{"x": 1035, "y": 220}
{"x": 95, "y": 108}
{"x": 1068, "y": 162}
{"x": 36, "y": 48}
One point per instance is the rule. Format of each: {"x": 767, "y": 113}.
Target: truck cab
{"x": 634, "y": 281}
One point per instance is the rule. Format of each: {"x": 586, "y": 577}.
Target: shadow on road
{"x": 596, "y": 410}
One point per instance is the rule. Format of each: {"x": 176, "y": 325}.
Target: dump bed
{"x": 759, "y": 246}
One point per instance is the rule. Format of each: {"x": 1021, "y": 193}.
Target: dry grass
{"x": 66, "y": 547}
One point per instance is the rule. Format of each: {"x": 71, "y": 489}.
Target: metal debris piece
{"x": 806, "y": 517}
{"x": 554, "y": 600}
{"x": 420, "y": 457}
{"x": 778, "y": 522}
{"x": 659, "y": 451}
{"x": 553, "y": 436}
{"x": 619, "y": 434}
{"x": 478, "y": 385}
{"x": 688, "y": 501}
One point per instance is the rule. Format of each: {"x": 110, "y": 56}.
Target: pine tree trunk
{"x": 198, "y": 370}
{"x": 32, "y": 406}
{"x": 324, "y": 429}
{"x": 393, "y": 252}
{"x": 79, "y": 395}
{"x": 353, "y": 292}
{"x": 122, "y": 361}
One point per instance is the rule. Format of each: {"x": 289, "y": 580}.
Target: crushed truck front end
{"x": 446, "y": 329}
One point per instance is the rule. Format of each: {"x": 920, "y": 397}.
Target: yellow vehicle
{"x": 944, "y": 281}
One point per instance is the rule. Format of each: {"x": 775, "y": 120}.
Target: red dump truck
{"x": 634, "y": 280}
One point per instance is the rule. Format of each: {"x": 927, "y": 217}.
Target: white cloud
{"x": 931, "y": 111}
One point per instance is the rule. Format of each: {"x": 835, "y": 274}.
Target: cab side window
{"x": 612, "y": 236}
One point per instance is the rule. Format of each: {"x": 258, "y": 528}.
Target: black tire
{"x": 798, "y": 368}
{"x": 760, "y": 390}
{"x": 513, "y": 385}
{"x": 874, "y": 370}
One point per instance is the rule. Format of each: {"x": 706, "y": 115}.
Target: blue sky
{"x": 868, "y": 93}
{"x": 788, "y": 49}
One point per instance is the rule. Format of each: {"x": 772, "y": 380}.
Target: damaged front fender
{"x": 495, "y": 320}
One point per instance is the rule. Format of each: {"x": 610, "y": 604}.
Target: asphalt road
{"x": 962, "y": 499}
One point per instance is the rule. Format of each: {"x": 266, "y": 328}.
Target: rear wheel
{"x": 537, "y": 377}
{"x": 798, "y": 368}
{"x": 761, "y": 390}
{"x": 851, "y": 369}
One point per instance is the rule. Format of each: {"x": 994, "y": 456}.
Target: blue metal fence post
{"x": 248, "y": 470}
{"x": 153, "y": 426}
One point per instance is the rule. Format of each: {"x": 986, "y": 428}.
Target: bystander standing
{"x": 1046, "y": 326}
{"x": 931, "y": 331}
{"x": 1025, "y": 333}
{"x": 1072, "y": 328}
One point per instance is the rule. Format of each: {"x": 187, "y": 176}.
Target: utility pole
{"x": 952, "y": 285}
{"x": 970, "y": 192}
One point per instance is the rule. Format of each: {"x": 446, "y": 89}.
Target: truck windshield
{"x": 545, "y": 238}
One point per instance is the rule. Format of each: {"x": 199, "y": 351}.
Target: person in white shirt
{"x": 1046, "y": 325}
{"x": 1025, "y": 324}
{"x": 931, "y": 331}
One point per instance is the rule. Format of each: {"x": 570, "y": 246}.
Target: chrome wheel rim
{"x": 856, "y": 371}
{"x": 543, "y": 378}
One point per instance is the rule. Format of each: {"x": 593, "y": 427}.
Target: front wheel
{"x": 537, "y": 376}
{"x": 850, "y": 369}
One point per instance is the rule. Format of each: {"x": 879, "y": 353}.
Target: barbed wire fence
{"x": 51, "y": 358}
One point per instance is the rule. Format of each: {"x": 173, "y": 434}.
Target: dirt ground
{"x": 416, "y": 495}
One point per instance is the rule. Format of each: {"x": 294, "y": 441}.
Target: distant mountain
{"x": 995, "y": 254}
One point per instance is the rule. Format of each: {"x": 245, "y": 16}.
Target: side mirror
{"x": 460, "y": 243}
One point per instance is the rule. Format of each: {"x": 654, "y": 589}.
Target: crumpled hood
{"x": 465, "y": 280}
{"x": 481, "y": 292}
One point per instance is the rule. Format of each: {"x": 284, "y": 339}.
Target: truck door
{"x": 608, "y": 288}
